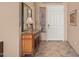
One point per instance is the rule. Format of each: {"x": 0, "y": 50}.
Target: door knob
{"x": 48, "y": 25}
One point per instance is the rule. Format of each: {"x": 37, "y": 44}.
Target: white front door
{"x": 55, "y": 18}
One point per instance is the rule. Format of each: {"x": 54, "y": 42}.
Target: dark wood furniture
{"x": 30, "y": 43}
{"x": 1, "y": 48}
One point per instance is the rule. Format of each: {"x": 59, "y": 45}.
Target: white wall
{"x": 9, "y": 28}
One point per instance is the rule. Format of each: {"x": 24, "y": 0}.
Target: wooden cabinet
{"x": 1, "y": 48}
{"x": 27, "y": 43}
{"x": 30, "y": 43}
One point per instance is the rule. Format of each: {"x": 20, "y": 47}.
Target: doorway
{"x": 54, "y": 43}
{"x": 55, "y": 22}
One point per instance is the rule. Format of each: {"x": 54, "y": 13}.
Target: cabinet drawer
{"x": 27, "y": 36}
{"x": 27, "y": 46}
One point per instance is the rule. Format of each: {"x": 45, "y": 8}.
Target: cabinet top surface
{"x": 27, "y": 32}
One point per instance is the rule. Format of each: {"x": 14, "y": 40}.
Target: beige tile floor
{"x": 55, "y": 49}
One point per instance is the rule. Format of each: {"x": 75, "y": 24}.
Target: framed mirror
{"x": 26, "y": 12}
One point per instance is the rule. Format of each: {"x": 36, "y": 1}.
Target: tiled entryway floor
{"x": 55, "y": 49}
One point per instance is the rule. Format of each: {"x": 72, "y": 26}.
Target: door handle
{"x": 48, "y": 25}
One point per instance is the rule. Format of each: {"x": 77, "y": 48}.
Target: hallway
{"x": 55, "y": 49}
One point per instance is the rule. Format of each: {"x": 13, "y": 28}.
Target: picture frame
{"x": 73, "y": 17}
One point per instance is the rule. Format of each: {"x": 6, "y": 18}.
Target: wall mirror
{"x": 26, "y": 12}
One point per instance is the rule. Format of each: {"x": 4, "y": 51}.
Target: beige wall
{"x": 73, "y": 31}
{"x": 9, "y": 28}
{"x": 43, "y": 35}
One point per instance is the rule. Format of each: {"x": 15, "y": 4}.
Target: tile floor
{"x": 55, "y": 49}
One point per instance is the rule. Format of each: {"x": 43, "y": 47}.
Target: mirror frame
{"x": 22, "y": 20}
